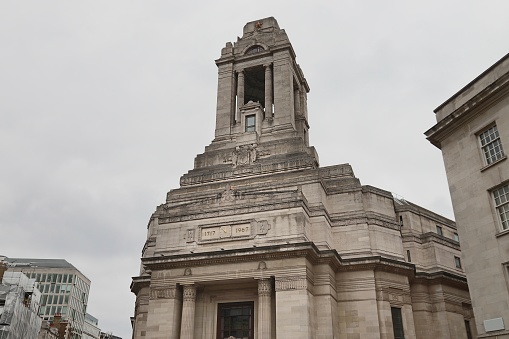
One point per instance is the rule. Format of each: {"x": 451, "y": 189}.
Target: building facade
{"x": 259, "y": 241}
{"x": 19, "y": 302}
{"x": 91, "y": 329}
{"x": 472, "y": 131}
{"x": 63, "y": 287}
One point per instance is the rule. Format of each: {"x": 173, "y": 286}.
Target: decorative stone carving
{"x": 261, "y": 227}
{"x": 229, "y": 194}
{"x": 164, "y": 293}
{"x": 188, "y": 271}
{"x": 262, "y": 265}
{"x": 264, "y": 287}
{"x": 244, "y": 155}
{"x": 189, "y": 293}
{"x": 189, "y": 235}
{"x": 291, "y": 283}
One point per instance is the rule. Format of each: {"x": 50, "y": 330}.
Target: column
{"x": 264, "y": 308}
{"x": 268, "y": 91}
{"x": 188, "y": 307}
{"x": 240, "y": 92}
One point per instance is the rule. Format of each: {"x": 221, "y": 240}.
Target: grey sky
{"x": 104, "y": 104}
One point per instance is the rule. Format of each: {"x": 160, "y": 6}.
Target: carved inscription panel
{"x": 222, "y": 232}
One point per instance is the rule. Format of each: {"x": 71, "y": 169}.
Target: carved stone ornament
{"x": 190, "y": 235}
{"x": 244, "y": 155}
{"x": 228, "y": 194}
{"x": 163, "y": 293}
{"x": 262, "y": 265}
{"x": 188, "y": 271}
{"x": 189, "y": 293}
{"x": 264, "y": 287}
{"x": 262, "y": 227}
{"x": 291, "y": 283}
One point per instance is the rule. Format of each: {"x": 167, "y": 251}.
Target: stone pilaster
{"x": 294, "y": 308}
{"x": 240, "y": 93}
{"x": 264, "y": 308}
{"x": 268, "y": 91}
{"x": 188, "y": 308}
{"x": 164, "y": 313}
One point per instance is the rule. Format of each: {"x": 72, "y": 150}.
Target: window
{"x": 235, "y": 319}
{"x": 457, "y": 262}
{"x": 490, "y": 145}
{"x": 456, "y": 237}
{"x": 250, "y": 123}
{"x": 397, "y": 323}
{"x": 408, "y": 256}
{"x": 254, "y": 49}
{"x": 439, "y": 230}
{"x": 467, "y": 328}
{"x": 401, "y": 220}
{"x": 501, "y": 196}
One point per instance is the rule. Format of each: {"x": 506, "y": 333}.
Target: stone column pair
{"x": 264, "y": 310}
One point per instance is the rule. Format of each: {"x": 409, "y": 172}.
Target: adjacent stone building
{"x": 259, "y": 241}
{"x": 472, "y": 131}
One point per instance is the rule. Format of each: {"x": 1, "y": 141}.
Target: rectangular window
{"x": 490, "y": 145}
{"x": 439, "y": 230}
{"x": 397, "y": 323}
{"x": 408, "y": 256}
{"x": 467, "y": 328}
{"x": 457, "y": 262}
{"x": 501, "y": 196}
{"x": 236, "y": 320}
{"x": 456, "y": 237}
{"x": 250, "y": 123}
{"x": 401, "y": 220}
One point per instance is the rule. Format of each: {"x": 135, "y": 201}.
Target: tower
{"x": 260, "y": 242}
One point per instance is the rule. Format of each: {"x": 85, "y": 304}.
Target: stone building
{"x": 472, "y": 132}
{"x": 259, "y": 241}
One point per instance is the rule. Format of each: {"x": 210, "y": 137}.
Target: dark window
{"x": 255, "y": 49}
{"x": 254, "y": 85}
{"x": 401, "y": 220}
{"x": 236, "y": 320}
{"x": 467, "y": 327}
{"x": 439, "y": 230}
{"x": 397, "y": 323}
{"x": 408, "y": 256}
{"x": 457, "y": 262}
{"x": 250, "y": 123}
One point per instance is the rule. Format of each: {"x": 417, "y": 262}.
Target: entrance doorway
{"x": 235, "y": 320}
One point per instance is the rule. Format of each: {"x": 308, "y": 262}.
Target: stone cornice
{"x": 441, "y": 277}
{"x": 361, "y": 217}
{"x": 195, "y": 177}
{"x": 433, "y": 237}
{"x": 233, "y": 209}
{"x": 139, "y": 282}
{"x": 472, "y": 107}
{"x": 378, "y": 263}
{"x": 404, "y": 206}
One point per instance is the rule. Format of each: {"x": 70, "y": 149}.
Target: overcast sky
{"x": 104, "y": 104}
